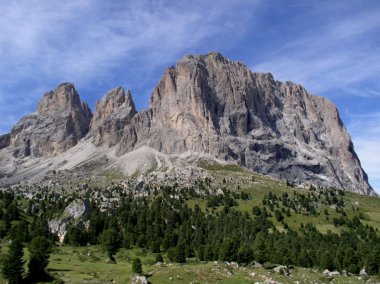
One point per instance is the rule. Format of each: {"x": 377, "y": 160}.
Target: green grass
{"x": 81, "y": 267}
{"x": 369, "y": 207}
{"x": 73, "y": 265}
{"x": 113, "y": 174}
{"x": 88, "y": 264}
{"x": 221, "y": 167}
{"x": 238, "y": 179}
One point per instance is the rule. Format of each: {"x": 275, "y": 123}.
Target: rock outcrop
{"x": 74, "y": 214}
{"x": 111, "y": 114}
{"x": 59, "y": 122}
{"x": 209, "y": 105}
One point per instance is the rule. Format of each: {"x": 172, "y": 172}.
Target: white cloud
{"x": 82, "y": 39}
{"x": 341, "y": 53}
{"x": 365, "y": 132}
{"x": 91, "y": 43}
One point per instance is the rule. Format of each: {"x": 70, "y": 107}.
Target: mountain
{"x": 59, "y": 122}
{"x": 205, "y": 106}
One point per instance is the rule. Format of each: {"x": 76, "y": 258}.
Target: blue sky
{"x": 330, "y": 47}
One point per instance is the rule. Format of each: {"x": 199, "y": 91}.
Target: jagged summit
{"x": 112, "y": 113}
{"x": 60, "y": 121}
{"x": 63, "y": 98}
{"x": 210, "y": 105}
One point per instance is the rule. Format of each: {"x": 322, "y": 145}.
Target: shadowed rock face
{"x": 4, "y": 141}
{"x": 59, "y": 122}
{"x": 209, "y": 104}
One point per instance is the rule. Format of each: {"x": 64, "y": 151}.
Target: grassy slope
{"x": 75, "y": 265}
{"x": 258, "y": 185}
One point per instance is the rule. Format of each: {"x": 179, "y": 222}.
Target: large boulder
{"x": 74, "y": 214}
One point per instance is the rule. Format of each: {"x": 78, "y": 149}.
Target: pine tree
{"x": 372, "y": 263}
{"x": 228, "y": 250}
{"x": 137, "y": 266}
{"x": 259, "y": 248}
{"x": 158, "y": 258}
{"x": 40, "y": 249}
{"x": 245, "y": 253}
{"x": 180, "y": 253}
{"x": 327, "y": 261}
{"x": 13, "y": 268}
{"x": 111, "y": 242}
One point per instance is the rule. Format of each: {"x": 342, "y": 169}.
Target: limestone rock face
{"x": 112, "y": 113}
{"x": 205, "y": 104}
{"x": 209, "y": 104}
{"x": 59, "y": 122}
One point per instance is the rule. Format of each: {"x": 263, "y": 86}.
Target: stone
{"x": 204, "y": 105}
{"x": 74, "y": 214}
{"x": 281, "y": 269}
{"x": 256, "y": 264}
{"x": 326, "y": 272}
{"x": 363, "y": 271}
{"x": 77, "y": 209}
{"x": 110, "y": 261}
{"x": 59, "y": 122}
{"x": 139, "y": 279}
{"x": 209, "y": 104}
{"x": 112, "y": 113}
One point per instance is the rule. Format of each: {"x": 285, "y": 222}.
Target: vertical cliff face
{"x": 112, "y": 113}
{"x": 59, "y": 122}
{"x": 209, "y": 104}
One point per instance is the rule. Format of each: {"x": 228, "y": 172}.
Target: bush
{"x": 40, "y": 249}
{"x": 137, "y": 266}
{"x": 158, "y": 258}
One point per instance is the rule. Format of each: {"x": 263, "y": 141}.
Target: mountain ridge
{"x": 209, "y": 104}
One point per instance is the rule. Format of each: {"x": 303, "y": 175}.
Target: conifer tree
{"x": 40, "y": 249}
{"x": 111, "y": 242}
{"x": 13, "y": 268}
{"x": 159, "y": 258}
{"x": 137, "y": 266}
{"x": 326, "y": 261}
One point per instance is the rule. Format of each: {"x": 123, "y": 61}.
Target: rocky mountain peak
{"x": 63, "y": 98}
{"x": 60, "y": 121}
{"x": 112, "y": 113}
{"x": 209, "y": 104}
{"x": 213, "y": 106}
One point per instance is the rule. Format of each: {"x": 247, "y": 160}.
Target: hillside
{"x": 227, "y": 191}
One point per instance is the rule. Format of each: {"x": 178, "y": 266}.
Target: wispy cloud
{"x": 96, "y": 44}
{"x": 338, "y": 53}
{"x": 365, "y": 131}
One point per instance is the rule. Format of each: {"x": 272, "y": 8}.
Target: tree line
{"x": 162, "y": 222}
